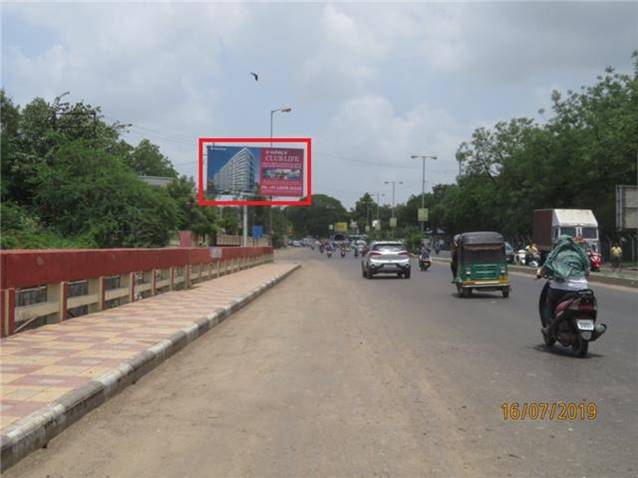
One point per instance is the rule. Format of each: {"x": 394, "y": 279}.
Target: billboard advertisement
{"x": 246, "y": 170}
{"x": 422, "y": 214}
{"x": 281, "y": 172}
{"x": 234, "y": 174}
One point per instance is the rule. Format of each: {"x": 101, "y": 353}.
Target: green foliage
{"x": 575, "y": 160}
{"x": 69, "y": 180}
{"x": 314, "y": 220}
{"x": 147, "y": 160}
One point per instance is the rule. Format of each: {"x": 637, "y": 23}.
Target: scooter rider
{"x": 567, "y": 268}
{"x": 425, "y": 250}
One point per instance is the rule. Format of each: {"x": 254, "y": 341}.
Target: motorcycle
{"x": 425, "y": 262}
{"x": 343, "y": 252}
{"x": 532, "y": 259}
{"x": 596, "y": 260}
{"x": 329, "y": 252}
{"x": 356, "y": 251}
{"x": 574, "y": 321}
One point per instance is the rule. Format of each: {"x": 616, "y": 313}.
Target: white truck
{"x": 550, "y": 224}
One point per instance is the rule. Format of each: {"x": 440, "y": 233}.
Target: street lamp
{"x": 272, "y": 114}
{"x": 423, "y": 157}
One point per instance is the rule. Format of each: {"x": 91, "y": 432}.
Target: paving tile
{"x": 95, "y": 372}
{"x": 16, "y": 408}
{"x": 57, "y": 369}
{"x": 50, "y": 394}
{"x": 6, "y": 420}
{"x": 50, "y": 380}
{"x": 6, "y": 378}
{"x": 19, "y": 392}
{"x": 18, "y": 368}
{"x": 89, "y": 362}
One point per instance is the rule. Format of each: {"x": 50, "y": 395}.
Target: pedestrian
{"x": 455, "y": 257}
{"x": 616, "y": 256}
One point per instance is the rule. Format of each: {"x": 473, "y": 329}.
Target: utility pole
{"x": 423, "y": 157}
{"x": 378, "y": 195}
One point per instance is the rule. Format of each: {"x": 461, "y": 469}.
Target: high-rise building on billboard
{"x": 237, "y": 175}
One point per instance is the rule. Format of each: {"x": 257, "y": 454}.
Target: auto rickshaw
{"x": 480, "y": 263}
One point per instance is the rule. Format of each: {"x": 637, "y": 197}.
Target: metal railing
{"x": 33, "y": 295}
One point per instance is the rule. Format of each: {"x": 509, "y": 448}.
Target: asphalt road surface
{"x": 330, "y": 374}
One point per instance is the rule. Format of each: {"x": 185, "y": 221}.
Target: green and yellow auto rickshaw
{"x": 479, "y": 263}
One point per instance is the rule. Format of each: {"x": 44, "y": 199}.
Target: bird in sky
{"x": 255, "y": 75}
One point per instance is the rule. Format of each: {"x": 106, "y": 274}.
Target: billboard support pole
{"x": 244, "y": 238}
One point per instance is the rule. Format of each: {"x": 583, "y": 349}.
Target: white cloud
{"x": 375, "y": 143}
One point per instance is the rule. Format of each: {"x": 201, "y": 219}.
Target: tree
{"x": 147, "y": 160}
{"x": 314, "y": 220}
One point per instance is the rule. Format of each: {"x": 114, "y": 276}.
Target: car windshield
{"x": 388, "y": 247}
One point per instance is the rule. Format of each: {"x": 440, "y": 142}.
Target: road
{"x": 330, "y": 374}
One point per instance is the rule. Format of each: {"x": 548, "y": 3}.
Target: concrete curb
{"x": 36, "y": 430}
{"x": 593, "y": 277}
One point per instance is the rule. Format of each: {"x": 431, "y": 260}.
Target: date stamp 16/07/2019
{"x": 559, "y": 411}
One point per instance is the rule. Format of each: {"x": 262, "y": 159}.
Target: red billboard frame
{"x": 202, "y": 201}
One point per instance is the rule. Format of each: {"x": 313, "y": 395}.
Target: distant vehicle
{"x": 519, "y": 257}
{"x": 550, "y": 224}
{"x": 296, "y": 244}
{"x": 481, "y": 264}
{"x": 386, "y": 257}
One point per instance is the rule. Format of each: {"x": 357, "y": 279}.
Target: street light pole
{"x": 394, "y": 183}
{"x": 379, "y": 196}
{"x": 423, "y": 157}
{"x": 272, "y": 115}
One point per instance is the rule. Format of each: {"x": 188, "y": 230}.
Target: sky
{"x": 370, "y": 83}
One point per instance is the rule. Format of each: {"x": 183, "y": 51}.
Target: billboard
{"x": 232, "y": 174}
{"x": 258, "y": 231}
{"x": 246, "y": 170}
{"x": 422, "y": 214}
{"x": 341, "y": 227}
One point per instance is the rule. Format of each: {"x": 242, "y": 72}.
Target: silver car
{"x": 386, "y": 257}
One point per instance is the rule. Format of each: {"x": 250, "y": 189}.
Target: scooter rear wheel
{"x": 549, "y": 341}
{"x": 581, "y": 348}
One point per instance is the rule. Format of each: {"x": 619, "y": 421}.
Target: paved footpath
{"x": 52, "y": 375}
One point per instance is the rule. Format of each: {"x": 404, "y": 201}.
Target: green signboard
{"x": 423, "y": 214}
{"x": 393, "y": 222}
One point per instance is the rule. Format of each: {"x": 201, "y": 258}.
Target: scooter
{"x": 595, "y": 259}
{"x": 574, "y": 321}
{"x": 329, "y": 252}
{"x": 356, "y": 251}
{"x": 343, "y": 252}
{"x": 532, "y": 259}
{"x": 424, "y": 263}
